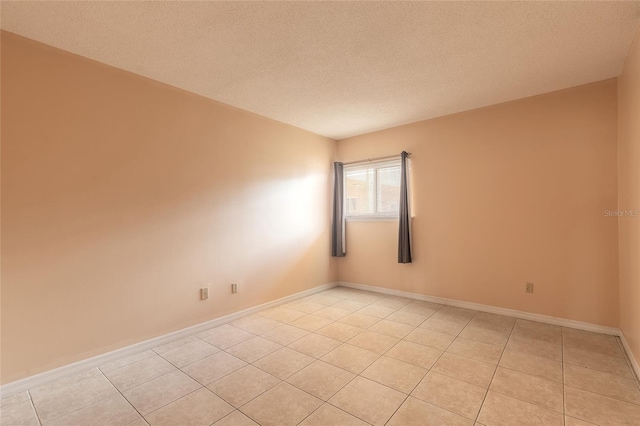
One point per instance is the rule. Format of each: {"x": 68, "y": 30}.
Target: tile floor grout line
{"x": 35, "y": 410}
{"x": 429, "y": 370}
{"x": 496, "y": 369}
{"x": 379, "y": 356}
{"x": 121, "y": 394}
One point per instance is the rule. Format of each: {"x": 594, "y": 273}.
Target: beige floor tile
{"x": 534, "y": 390}
{"x": 538, "y": 331}
{"x": 597, "y": 361}
{"x": 283, "y": 362}
{"x": 413, "y": 353}
{"x": 235, "y": 419}
{"x": 477, "y": 350}
{"x": 174, "y": 344}
{"x": 350, "y": 305}
{"x": 225, "y": 336}
{"x": 374, "y": 342}
{"x": 466, "y": 369}
{"x": 114, "y": 365}
{"x": 256, "y": 324}
{"x": 368, "y": 400}
{"x": 359, "y": 320}
{"x": 396, "y": 374}
{"x": 499, "y": 409}
{"x": 14, "y": 399}
{"x": 532, "y": 365}
{"x": 339, "y": 331}
{"x": 160, "y": 391}
{"x": 253, "y": 349}
{"x": 285, "y": 334}
{"x": 599, "y": 409}
{"x": 328, "y": 415}
{"x": 431, "y": 338}
{"x": 323, "y": 299}
{"x": 395, "y": 302}
{"x": 415, "y": 412}
{"x": 377, "y": 311}
{"x": 570, "y": 421}
{"x": 282, "y": 314}
{"x": 407, "y": 318}
{"x": 451, "y": 394}
{"x": 20, "y": 414}
{"x": 593, "y": 342}
{"x": 366, "y": 297}
{"x": 139, "y": 422}
{"x": 535, "y": 347}
{"x": 351, "y": 358}
{"x": 213, "y": 367}
{"x": 321, "y": 380}
{"x": 66, "y": 396}
{"x": 189, "y": 352}
{"x": 340, "y": 292}
{"x": 451, "y": 313}
{"x": 199, "y": 408}
{"x": 114, "y": 411}
{"x": 139, "y": 372}
{"x": 332, "y": 313}
{"x": 485, "y": 335}
{"x": 392, "y": 328}
{"x": 315, "y": 345}
{"x": 281, "y": 406}
{"x": 610, "y": 385}
{"x": 310, "y": 322}
{"x": 307, "y": 307}
{"x": 243, "y": 385}
{"x": 442, "y": 325}
{"x": 421, "y": 308}
{"x": 493, "y": 321}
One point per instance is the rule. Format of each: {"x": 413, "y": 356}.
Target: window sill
{"x": 371, "y": 218}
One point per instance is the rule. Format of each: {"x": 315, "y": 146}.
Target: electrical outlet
{"x": 234, "y": 288}
{"x": 529, "y": 288}
{"x": 204, "y": 293}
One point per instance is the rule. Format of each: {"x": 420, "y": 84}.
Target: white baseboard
{"x": 86, "y": 364}
{"x": 580, "y": 325}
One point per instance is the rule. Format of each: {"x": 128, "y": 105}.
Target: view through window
{"x": 372, "y": 189}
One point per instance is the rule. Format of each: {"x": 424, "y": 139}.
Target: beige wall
{"x": 121, "y": 197}
{"x": 504, "y": 195}
{"x": 629, "y": 196}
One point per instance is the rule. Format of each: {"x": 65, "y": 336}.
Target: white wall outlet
{"x": 234, "y": 288}
{"x": 529, "y": 288}
{"x": 204, "y": 293}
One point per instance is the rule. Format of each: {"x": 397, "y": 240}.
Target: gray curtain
{"x": 337, "y": 228}
{"x": 404, "y": 231}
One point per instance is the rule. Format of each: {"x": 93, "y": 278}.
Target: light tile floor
{"x": 350, "y": 357}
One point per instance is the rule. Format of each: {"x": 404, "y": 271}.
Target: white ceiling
{"x": 344, "y": 68}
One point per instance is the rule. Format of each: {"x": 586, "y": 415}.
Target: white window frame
{"x": 365, "y": 166}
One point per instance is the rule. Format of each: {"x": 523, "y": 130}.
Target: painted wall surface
{"x": 629, "y": 196}
{"x": 503, "y": 195}
{"x": 121, "y": 197}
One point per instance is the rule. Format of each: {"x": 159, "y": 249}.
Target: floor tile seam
{"x": 494, "y": 374}
{"x": 35, "y": 410}
{"x": 604, "y": 396}
{"x": 124, "y": 397}
{"x": 428, "y": 370}
{"x": 81, "y": 408}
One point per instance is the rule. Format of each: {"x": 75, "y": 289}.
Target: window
{"x": 372, "y": 190}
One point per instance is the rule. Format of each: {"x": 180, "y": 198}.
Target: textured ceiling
{"x": 344, "y": 68}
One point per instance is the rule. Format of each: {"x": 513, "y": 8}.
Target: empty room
{"x": 320, "y": 213}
